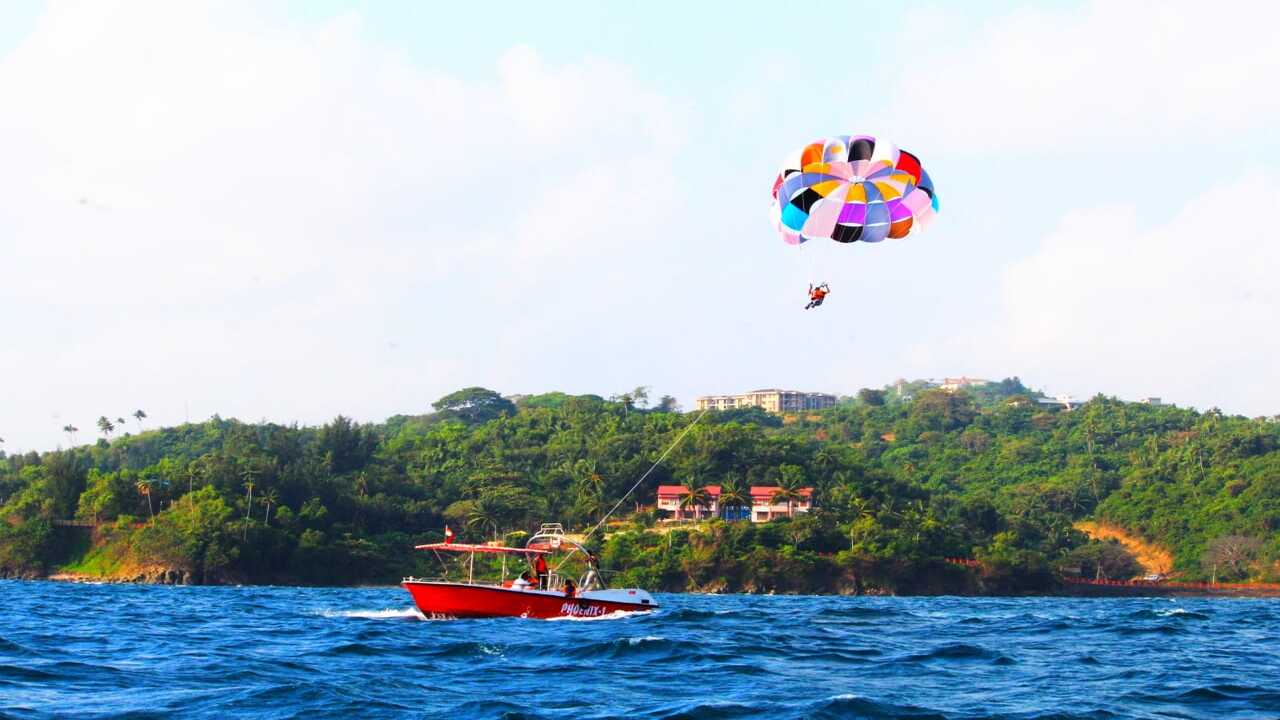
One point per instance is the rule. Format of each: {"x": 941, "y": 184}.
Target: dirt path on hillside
{"x": 1153, "y": 557}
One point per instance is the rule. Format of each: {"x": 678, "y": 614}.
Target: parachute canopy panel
{"x": 851, "y": 188}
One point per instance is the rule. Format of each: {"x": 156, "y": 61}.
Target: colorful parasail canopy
{"x": 849, "y": 188}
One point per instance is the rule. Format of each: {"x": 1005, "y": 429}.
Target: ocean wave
{"x": 854, "y": 706}
{"x": 1157, "y": 629}
{"x": 1179, "y": 613}
{"x": 1233, "y": 692}
{"x": 9, "y": 647}
{"x": 18, "y": 672}
{"x": 356, "y": 648}
{"x": 714, "y": 711}
{"x": 651, "y": 646}
{"x": 859, "y": 612}
{"x": 953, "y": 651}
{"x": 691, "y": 614}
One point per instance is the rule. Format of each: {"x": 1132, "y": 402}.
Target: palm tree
{"x": 694, "y": 496}
{"x": 626, "y": 400}
{"x": 790, "y": 490}
{"x": 248, "y": 505}
{"x": 139, "y": 416}
{"x": 191, "y": 479}
{"x": 641, "y": 395}
{"x": 861, "y": 511}
{"x": 733, "y": 495}
{"x": 105, "y": 426}
{"x": 269, "y": 498}
{"x": 484, "y": 514}
{"x": 71, "y": 431}
{"x": 144, "y": 487}
{"x": 120, "y": 422}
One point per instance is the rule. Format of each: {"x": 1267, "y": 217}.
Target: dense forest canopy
{"x": 903, "y": 477}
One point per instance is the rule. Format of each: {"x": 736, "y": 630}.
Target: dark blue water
{"x": 114, "y": 651}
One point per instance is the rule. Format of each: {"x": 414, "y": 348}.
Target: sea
{"x": 134, "y": 651}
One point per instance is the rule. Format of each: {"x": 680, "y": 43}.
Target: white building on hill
{"x": 772, "y": 400}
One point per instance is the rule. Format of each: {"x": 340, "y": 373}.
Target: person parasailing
{"x": 817, "y": 295}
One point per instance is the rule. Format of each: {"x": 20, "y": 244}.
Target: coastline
{"x": 158, "y": 576}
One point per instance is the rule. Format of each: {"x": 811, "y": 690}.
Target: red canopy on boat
{"x": 463, "y": 547}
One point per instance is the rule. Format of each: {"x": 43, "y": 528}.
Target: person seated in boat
{"x": 570, "y": 589}
{"x": 540, "y": 568}
{"x": 524, "y": 582}
{"x": 817, "y": 295}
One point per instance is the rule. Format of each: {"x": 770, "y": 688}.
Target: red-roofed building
{"x": 669, "y": 499}
{"x": 763, "y": 505}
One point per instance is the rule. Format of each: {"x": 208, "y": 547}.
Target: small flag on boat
{"x": 448, "y": 535}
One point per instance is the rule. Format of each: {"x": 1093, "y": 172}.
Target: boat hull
{"x": 460, "y": 600}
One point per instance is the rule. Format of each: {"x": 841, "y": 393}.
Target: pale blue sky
{"x": 293, "y": 210}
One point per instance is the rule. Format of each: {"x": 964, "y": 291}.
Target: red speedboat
{"x": 550, "y": 594}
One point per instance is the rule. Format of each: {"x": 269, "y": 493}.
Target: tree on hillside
{"x": 474, "y": 405}
{"x": 248, "y": 473}
{"x": 627, "y": 401}
{"x": 269, "y": 498}
{"x": 874, "y": 398}
{"x": 139, "y": 416}
{"x": 641, "y": 395}
{"x": 105, "y": 426}
{"x": 790, "y": 487}
{"x": 1231, "y": 556}
{"x": 144, "y": 488}
{"x": 71, "y": 431}
{"x": 346, "y": 445}
{"x": 733, "y": 495}
{"x": 1104, "y": 560}
{"x": 485, "y": 514}
{"x": 692, "y": 497}
{"x": 667, "y": 404}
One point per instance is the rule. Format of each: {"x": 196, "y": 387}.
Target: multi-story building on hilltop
{"x": 772, "y": 400}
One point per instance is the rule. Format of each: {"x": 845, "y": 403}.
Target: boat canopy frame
{"x": 549, "y": 540}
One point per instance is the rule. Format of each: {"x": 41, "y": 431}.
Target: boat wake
{"x": 615, "y": 615}
{"x": 385, "y": 614}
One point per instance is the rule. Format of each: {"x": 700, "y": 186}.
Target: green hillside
{"x": 900, "y": 483}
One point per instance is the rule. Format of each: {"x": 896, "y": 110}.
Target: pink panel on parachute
{"x": 925, "y": 217}
{"x": 823, "y": 215}
{"x": 916, "y": 201}
{"x": 840, "y": 169}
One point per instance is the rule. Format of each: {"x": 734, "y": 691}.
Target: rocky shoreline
{"x": 143, "y": 576}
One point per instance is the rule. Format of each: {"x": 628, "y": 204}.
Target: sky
{"x": 291, "y": 210}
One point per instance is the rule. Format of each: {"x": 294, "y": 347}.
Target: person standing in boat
{"x": 540, "y": 569}
{"x": 593, "y": 572}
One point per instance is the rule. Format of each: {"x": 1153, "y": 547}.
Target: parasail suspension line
{"x": 652, "y": 467}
